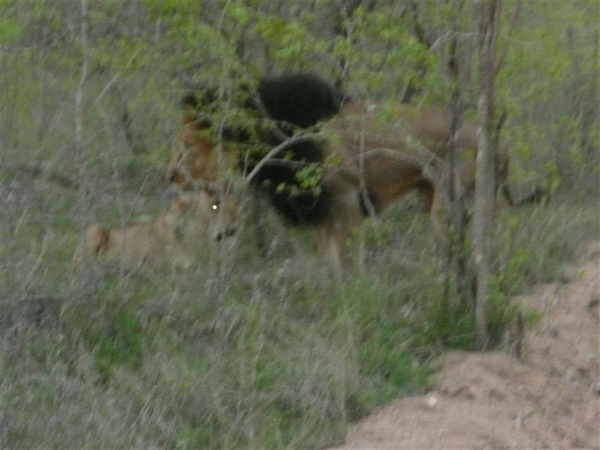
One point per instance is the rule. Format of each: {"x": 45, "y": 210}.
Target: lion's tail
{"x": 97, "y": 238}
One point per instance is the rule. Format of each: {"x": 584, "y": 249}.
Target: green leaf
{"x": 10, "y": 30}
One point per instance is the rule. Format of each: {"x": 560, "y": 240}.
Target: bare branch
{"x": 79, "y": 139}
{"x": 305, "y": 137}
{"x": 419, "y": 31}
{"x": 513, "y": 21}
{"x": 112, "y": 81}
{"x": 433, "y": 166}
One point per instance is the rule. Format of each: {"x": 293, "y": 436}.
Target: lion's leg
{"x": 335, "y": 238}
{"x": 361, "y": 250}
{"x": 258, "y": 222}
{"x": 426, "y": 194}
{"x": 347, "y": 230}
{"x": 438, "y": 222}
{"x": 356, "y": 240}
{"x": 331, "y": 244}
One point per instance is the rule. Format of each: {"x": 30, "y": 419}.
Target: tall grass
{"x": 261, "y": 353}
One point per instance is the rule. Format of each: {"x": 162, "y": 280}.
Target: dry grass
{"x": 237, "y": 351}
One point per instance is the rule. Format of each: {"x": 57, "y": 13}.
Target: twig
{"x": 289, "y": 142}
{"x": 112, "y": 81}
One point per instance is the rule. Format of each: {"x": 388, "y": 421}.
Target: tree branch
{"x": 513, "y": 21}
{"x": 287, "y": 143}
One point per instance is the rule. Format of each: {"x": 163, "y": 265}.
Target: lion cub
{"x": 193, "y": 220}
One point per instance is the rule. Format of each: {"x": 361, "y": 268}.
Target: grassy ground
{"x": 238, "y": 351}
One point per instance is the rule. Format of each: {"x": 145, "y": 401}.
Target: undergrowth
{"x": 259, "y": 353}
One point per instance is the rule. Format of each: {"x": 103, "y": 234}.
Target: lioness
{"x": 194, "y": 219}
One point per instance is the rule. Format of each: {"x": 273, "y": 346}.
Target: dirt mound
{"x": 548, "y": 399}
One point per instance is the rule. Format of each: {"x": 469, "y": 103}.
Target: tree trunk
{"x": 485, "y": 185}
{"x": 456, "y": 258}
{"x": 79, "y": 111}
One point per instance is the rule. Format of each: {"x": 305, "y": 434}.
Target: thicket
{"x": 243, "y": 350}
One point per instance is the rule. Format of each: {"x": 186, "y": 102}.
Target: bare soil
{"x": 550, "y": 398}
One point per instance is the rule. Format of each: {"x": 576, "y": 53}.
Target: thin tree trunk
{"x": 485, "y": 185}
{"x": 79, "y": 139}
{"x": 456, "y": 258}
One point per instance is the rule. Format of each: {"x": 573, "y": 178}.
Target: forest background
{"x": 242, "y": 350}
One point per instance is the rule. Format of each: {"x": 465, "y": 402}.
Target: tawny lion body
{"x": 192, "y": 221}
{"x": 377, "y": 163}
{"x": 360, "y": 130}
{"x": 378, "y": 158}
